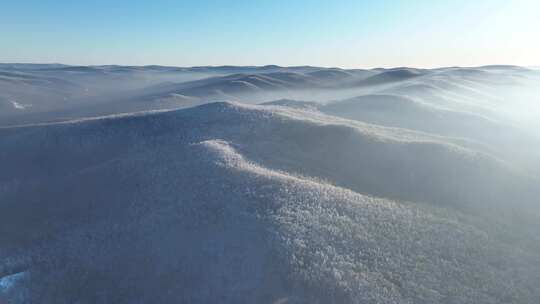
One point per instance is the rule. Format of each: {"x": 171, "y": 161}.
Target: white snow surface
{"x": 231, "y": 203}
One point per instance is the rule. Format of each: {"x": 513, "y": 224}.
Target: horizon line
{"x": 271, "y": 65}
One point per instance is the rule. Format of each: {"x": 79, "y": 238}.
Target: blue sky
{"x": 346, "y": 33}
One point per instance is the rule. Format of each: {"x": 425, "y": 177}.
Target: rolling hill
{"x": 235, "y": 203}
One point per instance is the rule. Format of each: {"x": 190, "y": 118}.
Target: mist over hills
{"x": 153, "y": 184}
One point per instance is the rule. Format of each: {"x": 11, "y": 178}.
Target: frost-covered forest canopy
{"x": 269, "y": 184}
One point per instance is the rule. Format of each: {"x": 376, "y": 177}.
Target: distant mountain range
{"x": 52, "y": 92}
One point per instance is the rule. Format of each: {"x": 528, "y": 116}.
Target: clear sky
{"x": 346, "y": 33}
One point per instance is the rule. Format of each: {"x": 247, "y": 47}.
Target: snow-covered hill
{"x": 236, "y": 203}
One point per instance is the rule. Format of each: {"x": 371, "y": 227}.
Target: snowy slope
{"x": 232, "y": 203}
